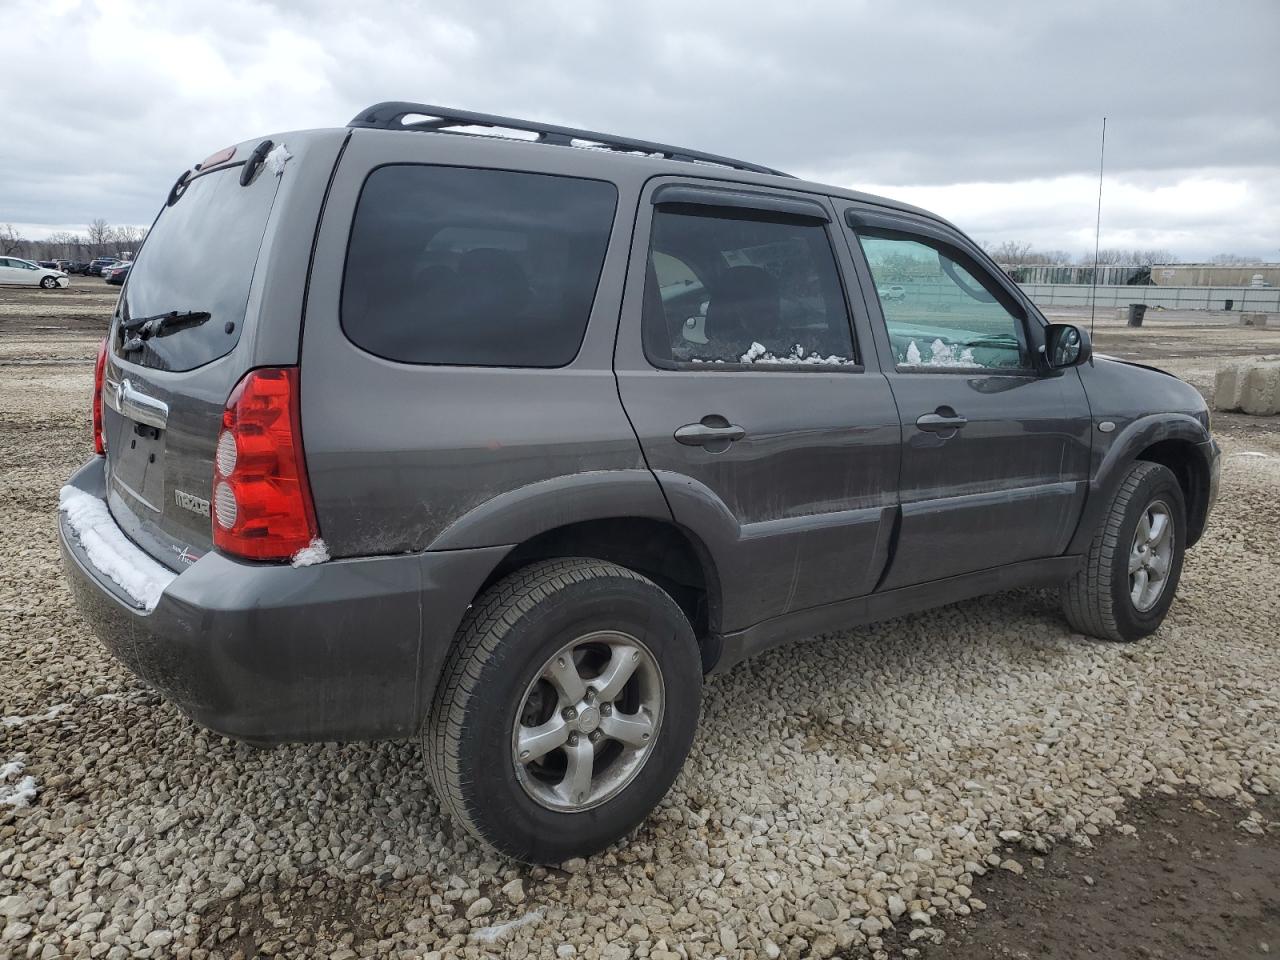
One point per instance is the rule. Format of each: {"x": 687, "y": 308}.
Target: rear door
{"x": 995, "y": 453}
{"x": 771, "y": 431}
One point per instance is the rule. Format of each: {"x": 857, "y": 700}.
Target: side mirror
{"x": 1066, "y": 345}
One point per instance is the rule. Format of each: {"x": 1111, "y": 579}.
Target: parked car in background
{"x": 30, "y": 274}
{"x": 97, "y": 264}
{"x": 893, "y": 292}
{"x": 467, "y": 474}
{"x": 116, "y": 273}
{"x": 49, "y": 265}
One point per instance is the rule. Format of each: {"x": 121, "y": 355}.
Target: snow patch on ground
{"x": 940, "y": 355}
{"x": 499, "y": 930}
{"x": 758, "y": 353}
{"x": 276, "y": 159}
{"x": 15, "y": 721}
{"x": 314, "y": 552}
{"x": 110, "y": 551}
{"x": 15, "y": 792}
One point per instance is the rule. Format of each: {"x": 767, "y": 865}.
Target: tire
{"x": 495, "y": 689}
{"x": 1100, "y": 599}
{"x": 48, "y": 283}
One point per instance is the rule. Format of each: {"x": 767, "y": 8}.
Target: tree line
{"x": 100, "y": 239}
{"x": 1017, "y": 252}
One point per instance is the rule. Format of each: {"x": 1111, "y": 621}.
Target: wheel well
{"x": 668, "y": 555}
{"x": 1181, "y": 457}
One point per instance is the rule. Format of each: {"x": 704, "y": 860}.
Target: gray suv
{"x": 505, "y": 442}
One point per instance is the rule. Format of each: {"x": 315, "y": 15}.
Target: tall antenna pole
{"x": 1097, "y": 230}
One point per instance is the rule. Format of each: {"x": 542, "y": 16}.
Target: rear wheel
{"x": 565, "y": 710}
{"x": 48, "y": 282}
{"x": 1131, "y": 573}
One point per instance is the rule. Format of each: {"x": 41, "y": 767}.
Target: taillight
{"x": 99, "y": 376}
{"x": 261, "y": 505}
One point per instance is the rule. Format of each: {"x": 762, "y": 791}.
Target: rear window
{"x": 450, "y": 265}
{"x": 200, "y": 256}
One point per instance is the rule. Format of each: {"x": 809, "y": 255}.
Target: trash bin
{"x": 1136, "y": 312}
{"x": 1227, "y": 304}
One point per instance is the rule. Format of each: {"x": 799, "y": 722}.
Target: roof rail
{"x": 390, "y": 116}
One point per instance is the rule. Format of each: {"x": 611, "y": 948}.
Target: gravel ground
{"x": 844, "y": 796}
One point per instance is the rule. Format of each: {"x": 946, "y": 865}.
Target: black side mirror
{"x": 1066, "y": 345}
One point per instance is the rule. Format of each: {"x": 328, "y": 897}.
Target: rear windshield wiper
{"x": 141, "y": 329}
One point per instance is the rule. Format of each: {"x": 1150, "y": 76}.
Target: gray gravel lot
{"x": 837, "y": 787}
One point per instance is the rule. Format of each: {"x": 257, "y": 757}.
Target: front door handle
{"x": 944, "y": 420}
{"x": 710, "y": 431}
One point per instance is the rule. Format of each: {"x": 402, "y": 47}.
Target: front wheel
{"x": 48, "y": 283}
{"x": 1128, "y": 581}
{"x": 565, "y": 710}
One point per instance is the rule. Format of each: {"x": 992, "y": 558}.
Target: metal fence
{"x": 1260, "y": 299}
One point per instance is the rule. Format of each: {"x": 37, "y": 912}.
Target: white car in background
{"x": 894, "y": 292}
{"x": 28, "y": 274}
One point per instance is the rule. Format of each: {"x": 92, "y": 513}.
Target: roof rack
{"x": 390, "y": 116}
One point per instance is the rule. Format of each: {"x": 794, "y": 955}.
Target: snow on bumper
{"x": 110, "y": 552}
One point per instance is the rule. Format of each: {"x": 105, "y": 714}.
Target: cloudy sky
{"x": 986, "y": 112}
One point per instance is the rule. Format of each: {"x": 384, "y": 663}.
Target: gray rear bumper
{"x": 343, "y": 650}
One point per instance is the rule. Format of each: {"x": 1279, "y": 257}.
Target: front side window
{"x": 743, "y": 288}
{"x": 940, "y": 312}
{"x": 452, "y": 265}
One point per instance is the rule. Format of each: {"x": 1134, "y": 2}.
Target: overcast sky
{"x": 987, "y": 113}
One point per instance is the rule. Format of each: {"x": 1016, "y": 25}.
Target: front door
{"x": 995, "y": 452}
{"x": 774, "y": 438}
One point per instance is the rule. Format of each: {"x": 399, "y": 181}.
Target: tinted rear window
{"x": 449, "y": 265}
{"x": 200, "y": 255}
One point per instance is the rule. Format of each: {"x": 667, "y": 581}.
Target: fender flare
{"x": 1132, "y": 440}
{"x": 521, "y": 514}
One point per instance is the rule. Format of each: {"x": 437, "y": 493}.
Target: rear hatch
{"x": 181, "y": 337}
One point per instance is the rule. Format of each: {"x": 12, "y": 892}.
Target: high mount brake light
{"x": 99, "y": 378}
{"x": 262, "y": 506}
{"x": 222, "y": 156}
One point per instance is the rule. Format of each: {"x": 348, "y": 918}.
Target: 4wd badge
{"x": 187, "y": 502}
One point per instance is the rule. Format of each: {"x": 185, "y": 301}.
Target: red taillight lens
{"x": 99, "y": 375}
{"x": 261, "y": 498}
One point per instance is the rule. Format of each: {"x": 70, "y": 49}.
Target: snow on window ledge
{"x": 940, "y": 355}
{"x": 112, "y": 553}
{"x": 759, "y": 353}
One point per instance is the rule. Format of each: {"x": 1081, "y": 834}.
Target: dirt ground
{"x": 1184, "y": 877}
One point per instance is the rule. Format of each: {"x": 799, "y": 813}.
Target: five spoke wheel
{"x": 1151, "y": 555}
{"x": 588, "y": 721}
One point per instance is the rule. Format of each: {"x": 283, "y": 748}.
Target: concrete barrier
{"x": 1251, "y": 386}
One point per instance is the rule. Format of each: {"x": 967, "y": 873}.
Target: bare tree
{"x": 1011, "y": 252}
{"x": 1231, "y": 259}
{"x": 10, "y": 239}
{"x": 128, "y": 239}
{"x": 65, "y": 245}
{"x": 99, "y": 232}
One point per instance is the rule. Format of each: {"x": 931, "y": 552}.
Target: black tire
{"x": 1097, "y": 600}
{"x": 48, "y": 283}
{"x": 510, "y": 632}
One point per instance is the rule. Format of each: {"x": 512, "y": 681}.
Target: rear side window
{"x": 199, "y": 256}
{"x": 450, "y": 265}
{"x": 743, "y": 289}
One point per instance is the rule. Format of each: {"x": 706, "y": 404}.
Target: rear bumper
{"x": 343, "y": 650}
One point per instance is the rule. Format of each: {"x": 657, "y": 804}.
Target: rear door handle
{"x": 712, "y": 430}
{"x": 944, "y": 420}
